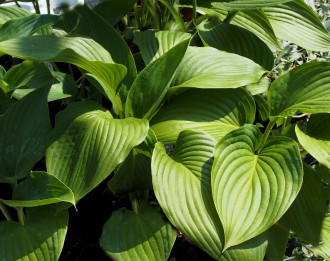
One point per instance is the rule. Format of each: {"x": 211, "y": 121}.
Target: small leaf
{"x": 241, "y": 5}
{"x": 142, "y": 236}
{"x": 253, "y": 186}
{"x": 207, "y": 67}
{"x": 24, "y": 132}
{"x": 41, "y": 238}
{"x": 215, "y": 111}
{"x": 38, "y": 189}
{"x": 182, "y": 186}
{"x": 149, "y": 88}
{"x": 315, "y": 137}
{"x": 305, "y": 89}
{"x": 153, "y": 44}
{"x": 89, "y": 144}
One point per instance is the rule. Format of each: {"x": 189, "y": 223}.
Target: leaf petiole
{"x": 269, "y": 128}
{"x": 20, "y": 215}
{"x": 5, "y": 211}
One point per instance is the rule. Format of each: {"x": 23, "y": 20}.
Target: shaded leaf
{"x": 138, "y": 236}
{"x": 277, "y": 236}
{"x": 323, "y": 249}
{"x": 253, "y": 186}
{"x": 241, "y": 5}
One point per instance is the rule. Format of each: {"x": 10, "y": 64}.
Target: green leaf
{"x": 82, "y": 52}
{"x": 38, "y": 189}
{"x": 235, "y": 39}
{"x": 138, "y": 236}
{"x": 259, "y": 87}
{"x": 207, "y": 67}
{"x": 153, "y": 44}
{"x": 262, "y": 107}
{"x": 277, "y": 237}
{"x": 182, "y": 186}
{"x": 305, "y": 89}
{"x": 113, "y": 10}
{"x": 24, "y": 132}
{"x": 218, "y": 113}
{"x": 89, "y": 144}
{"x": 253, "y": 186}
{"x": 11, "y": 12}
{"x": 315, "y": 137}
{"x": 323, "y": 249}
{"x": 41, "y": 238}
{"x": 241, "y": 5}
{"x": 310, "y": 206}
{"x": 296, "y": 22}
{"x": 149, "y": 88}
{"x": 25, "y": 26}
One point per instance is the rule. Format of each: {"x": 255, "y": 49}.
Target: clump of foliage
{"x": 198, "y": 76}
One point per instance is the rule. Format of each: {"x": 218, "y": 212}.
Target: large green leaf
{"x": 153, "y": 44}
{"x": 151, "y": 85}
{"x": 138, "y": 236}
{"x": 315, "y": 137}
{"x": 253, "y": 186}
{"x": 310, "y": 206}
{"x": 83, "y": 52}
{"x": 24, "y": 131}
{"x": 215, "y": 111}
{"x": 25, "y": 26}
{"x": 296, "y": 22}
{"x": 207, "y": 67}
{"x": 305, "y": 89}
{"x": 277, "y": 237}
{"x": 323, "y": 249}
{"x": 182, "y": 186}
{"x": 89, "y": 144}
{"x": 241, "y": 5}
{"x": 38, "y": 189}
{"x": 11, "y": 12}
{"x": 235, "y": 39}
{"x": 41, "y": 238}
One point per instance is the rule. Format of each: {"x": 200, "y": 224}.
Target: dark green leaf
{"x": 277, "y": 237}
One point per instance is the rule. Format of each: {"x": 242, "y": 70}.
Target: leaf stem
{"x": 20, "y": 215}
{"x": 269, "y": 128}
{"x": 134, "y": 201}
{"x": 175, "y": 14}
{"x": 229, "y": 17}
{"x": 194, "y": 11}
{"x": 5, "y": 211}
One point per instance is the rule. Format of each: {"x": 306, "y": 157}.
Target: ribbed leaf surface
{"x": 235, "y": 39}
{"x": 24, "y": 130}
{"x": 143, "y": 236}
{"x": 183, "y": 188}
{"x": 304, "y": 89}
{"x": 241, "y": 5}
{"x": 90, "y": 144}
{"x": 83, "y": 52}
{"x": 215, "y": 111}
{"x": 296, "y": 22}
{"x": 323, "y": 249}
{"x": 11, "y": 12}
{"x": 38, "y": 189}
{"x": 207, "y": 67}
{"x": 315, "y": 137}
{"x": 41, "y": 238}
{"x": 251, "y": 189}
{"x": 153, "y": 44}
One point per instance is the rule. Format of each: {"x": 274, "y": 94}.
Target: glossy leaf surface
{"x": 90, "y": 144}
{"x": 215, "y": 111}
{"x": 142, "y": 236}
{"x": 305, "y": 89}
{"x": 41, "y": 238}
{"x": 253, "y": 186}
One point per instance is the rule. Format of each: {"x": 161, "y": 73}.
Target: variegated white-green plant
{"x": 236, "y": 182}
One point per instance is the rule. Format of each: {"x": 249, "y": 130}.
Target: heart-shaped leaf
{"x": 315, "y": 137}
{"x": 138, "y": 236}
{"x": 304, "y": 89}
{"x": 24, "y": 132}
{"x": 253, "y": 186}
{"x": 241, "y": 5}
{"x": 153, "y": 44}
{"x": 183, "y": 188}
{"x": 215, "y": 111}
{"x": 41, "y": 238}
{"x": 38, "y": 189}
{"x": 207, "y": 67}
{"x": 89, "y": 144}
{"x": 296, "y": 22}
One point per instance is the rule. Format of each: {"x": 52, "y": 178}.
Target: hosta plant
{"x": 237, "y": 182}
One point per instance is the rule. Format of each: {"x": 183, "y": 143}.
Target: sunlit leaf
{"x": 182, "y": 186}
{"x": 138, "y": 236}
{"x": 304, "y": 89}
{"x": 215, "y": 111}
{"x": 323, "y": 249}
{"x": 253, "y": 186}
{"x": 11, "y": 12}
{"x": 241, "y": 5}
